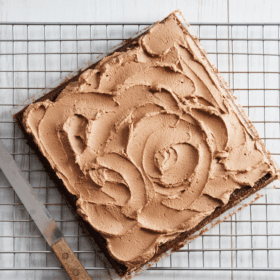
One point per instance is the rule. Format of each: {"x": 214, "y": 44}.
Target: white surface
{"x": 145, "y": 10}
{"x": 138, "y": 10}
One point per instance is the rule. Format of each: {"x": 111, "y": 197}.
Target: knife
{"x": 41, "y": 217}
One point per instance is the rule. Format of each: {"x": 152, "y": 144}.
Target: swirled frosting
{"x": 148, "y": 141}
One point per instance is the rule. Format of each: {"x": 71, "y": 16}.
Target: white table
{"x": 135, "y": 10}
{"x": 256, "y": 227}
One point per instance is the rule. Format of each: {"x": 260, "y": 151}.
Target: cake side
{"x": 174, "y": 108}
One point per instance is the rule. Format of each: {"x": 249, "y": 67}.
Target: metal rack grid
{"x": 34, "y": 55}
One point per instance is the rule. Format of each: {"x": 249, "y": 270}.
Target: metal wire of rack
{"x": 34, "y": 55}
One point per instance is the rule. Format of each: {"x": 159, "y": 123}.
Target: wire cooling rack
{"x": 35, "y": 55}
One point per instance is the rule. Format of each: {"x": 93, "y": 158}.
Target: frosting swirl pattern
{"x": 148, "y": 142}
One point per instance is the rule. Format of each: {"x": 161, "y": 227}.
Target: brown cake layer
{"x": 158, "y": 104}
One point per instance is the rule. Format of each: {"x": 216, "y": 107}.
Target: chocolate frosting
{"x": 148, "y": 141}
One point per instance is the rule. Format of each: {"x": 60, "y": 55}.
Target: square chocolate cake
{"x": 148, "y": 145}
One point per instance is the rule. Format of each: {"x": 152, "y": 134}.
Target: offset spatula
{"x": 41, "y": 217}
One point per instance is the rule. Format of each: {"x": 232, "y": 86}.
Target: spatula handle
{"x": 70, "y": 262}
